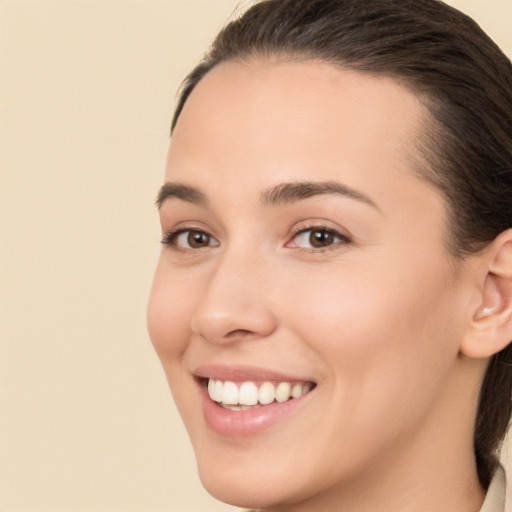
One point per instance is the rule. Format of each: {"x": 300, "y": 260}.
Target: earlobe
{"x": 491, "y": 324}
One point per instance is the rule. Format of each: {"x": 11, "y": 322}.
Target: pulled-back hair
{"x": 464, "y": 81}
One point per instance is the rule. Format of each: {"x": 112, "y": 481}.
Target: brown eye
{"x": 190, "y": 239}
{"x": 319, "y": 238}
{"x": 198, "y": 239}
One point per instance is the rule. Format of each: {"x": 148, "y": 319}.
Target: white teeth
{"x": 296, "y": 391}
{"x": 248, "y": 395}
{"x": 283, "y": 391}
{"x": 230, "y": 393}
{"x": 217, "y": 391}
{"x": 239, "y": 407}
{"x": 267, "y": 393}
{"x": 211, "y": 389}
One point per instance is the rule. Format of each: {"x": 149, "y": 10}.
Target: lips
{"x": 242, "y": 401}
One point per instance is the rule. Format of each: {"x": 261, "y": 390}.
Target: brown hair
{"x": 464, "y": 80}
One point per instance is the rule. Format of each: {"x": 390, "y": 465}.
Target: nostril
{"x": 243, "y": 333}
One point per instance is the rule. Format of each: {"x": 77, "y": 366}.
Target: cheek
{"x": 169, "y": 309}
{"x": 378, "y": 333}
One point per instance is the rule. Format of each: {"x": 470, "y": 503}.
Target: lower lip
{"x": 250, "y": 422}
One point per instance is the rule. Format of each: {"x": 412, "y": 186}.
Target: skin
{"x": 376, "y": 319}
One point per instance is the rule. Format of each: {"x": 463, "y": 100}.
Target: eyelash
{"x": 170, "y": 238}
{"x": 342, "y": 239}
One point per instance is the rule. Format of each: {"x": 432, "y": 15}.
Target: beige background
{"x": 87, "y": 90}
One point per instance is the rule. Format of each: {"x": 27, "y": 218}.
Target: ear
{"x": 491, "y": 323}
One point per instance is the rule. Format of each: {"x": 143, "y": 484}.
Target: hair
{"x": 464, "y": 81}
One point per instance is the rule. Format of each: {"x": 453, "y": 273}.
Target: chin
{"x": 243, "y": 491}
{"x": 256, "y": 478}
{"x": 253, "y": 483}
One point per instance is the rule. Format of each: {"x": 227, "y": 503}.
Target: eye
{"x": 189, "y": 239}
{"x": 318, "y": 238}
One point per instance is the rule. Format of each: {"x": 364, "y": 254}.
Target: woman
{"x": 333, "y": 302}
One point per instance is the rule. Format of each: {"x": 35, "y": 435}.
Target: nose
{"x": 235, "y": 305}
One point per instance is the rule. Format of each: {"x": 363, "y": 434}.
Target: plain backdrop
{"x": 86, "y": 95}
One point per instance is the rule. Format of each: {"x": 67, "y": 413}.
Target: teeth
{"x": 230, "y": 393}
{"x": 283, "y": 391}
{"x": 296, "y": 391}
{"x": 239, "y": 407}
{"x": 211, "y": 389}
{"x": 249, "y": 395}
{"x": 217, "y": 391}
{"x": 267, "y": 393}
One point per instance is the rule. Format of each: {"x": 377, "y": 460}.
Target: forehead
{"x": 269, "y": 119}
{"x": 298, "y": 100}
{"x": 312, "y": 83}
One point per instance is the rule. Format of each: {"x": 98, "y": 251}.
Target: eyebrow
{"x": 287, "y": 193}
{"x": 284, "y": 193}
{"x": 180, "y": 191}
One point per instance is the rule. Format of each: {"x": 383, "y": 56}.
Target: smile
{"x": 240, "y": 401}
{"x": 250, "y": 395}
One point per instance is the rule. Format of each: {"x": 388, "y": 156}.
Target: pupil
{"x": 321, "y": 238}
{"x": 197, "y": 239}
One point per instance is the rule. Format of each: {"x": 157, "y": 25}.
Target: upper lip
{"x": 239, "y": 373}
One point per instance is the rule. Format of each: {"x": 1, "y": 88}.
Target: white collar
{"x": 495, "y": 497}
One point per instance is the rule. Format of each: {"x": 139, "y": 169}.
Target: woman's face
{"x": 303, "y": 249}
